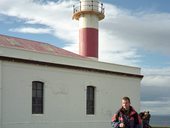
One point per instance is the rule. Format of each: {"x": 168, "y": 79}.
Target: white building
{"x": 65, "y": 77}
{"x": 42, "y": 86}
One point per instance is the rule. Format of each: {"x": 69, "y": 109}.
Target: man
{"x": 126, "y": 116}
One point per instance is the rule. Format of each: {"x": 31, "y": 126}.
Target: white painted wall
{"x": 64, "y": 96}
{"x": 0, "y": 96}
{"x": 88, "y": 21}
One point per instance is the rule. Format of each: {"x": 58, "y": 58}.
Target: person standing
{"x": 126, "y": 116}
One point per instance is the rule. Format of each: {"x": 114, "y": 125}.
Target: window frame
{"x": 37, "y": 97}
{"x": 90, "y": 100}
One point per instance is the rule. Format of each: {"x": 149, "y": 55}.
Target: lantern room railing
{"x": 87, "y": 7}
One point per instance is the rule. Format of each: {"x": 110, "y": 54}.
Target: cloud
{"x": 164, "y": 71}
{"x": 155, "y": 93}
{"x": 156, "y": 107}
{"x": 156, "y": 80}
{"x": 32, "y": 30}
{"x": 55, "y": 15}
{"x": 155, "y": 99}
{"x": 123, "y": 32}
{"x": 128, "y": 31}
{"x": 155, "y": 88}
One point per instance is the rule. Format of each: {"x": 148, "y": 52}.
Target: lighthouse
{"x": 89, "y": 13}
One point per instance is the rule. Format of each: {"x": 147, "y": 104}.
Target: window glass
{"x": 37, "y": 97}
{"x": 90, "y": 100}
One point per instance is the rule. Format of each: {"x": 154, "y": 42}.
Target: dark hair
{"x": 126, "y": 98}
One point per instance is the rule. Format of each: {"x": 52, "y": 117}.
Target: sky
{"x": 134, "y": 33}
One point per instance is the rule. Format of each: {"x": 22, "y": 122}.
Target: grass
{"x": 160, "y": 127}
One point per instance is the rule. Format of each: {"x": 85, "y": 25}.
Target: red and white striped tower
{"x": 88, "y": 12}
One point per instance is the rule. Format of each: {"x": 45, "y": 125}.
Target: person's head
{"x": 126, "y": 103}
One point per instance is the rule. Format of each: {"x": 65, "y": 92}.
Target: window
{"x": 90, "y": 100}
{"x": 37, "y": 97}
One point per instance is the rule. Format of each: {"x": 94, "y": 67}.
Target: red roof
{"x": 35, "y": 46}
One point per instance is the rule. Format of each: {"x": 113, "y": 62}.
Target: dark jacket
{"x": 131, "y": 118}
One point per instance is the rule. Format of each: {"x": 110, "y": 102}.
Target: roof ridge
{"x": 24, "y": 39}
